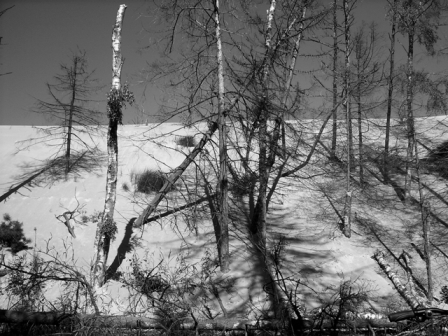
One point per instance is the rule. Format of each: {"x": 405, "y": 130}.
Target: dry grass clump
{"x": 186, "y": 141}
{"x": 149, "y": 181}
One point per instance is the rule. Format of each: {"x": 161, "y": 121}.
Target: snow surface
{"x": 316, "y": 250}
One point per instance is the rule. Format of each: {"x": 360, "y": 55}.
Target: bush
{"x": 444, "y": 294}
{"x": 186, "y": 141}
{"x": 149, "y": 181}
{"x": 437, "y": 159}
{"x": 12, "y": 236}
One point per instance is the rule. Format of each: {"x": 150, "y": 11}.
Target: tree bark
{"x": 174, "y": 176}
{"x": 223, "y": 243}
{"x": 292, "y": 66}
{"x": 262, "y": 134}
{"x": 335, "y": 82}
{"x": 413, "y": 302}
{"x": 348, "y": 195}
{"x": 426, "y": 219}
{"x": 410, "y": 113}
{"x": 425, "y": 212}
{"x": 106, "y": 225}
{"x": 360, "y": 136}
{"x": 70, "y": 116}
{"x": 390, "y": 90}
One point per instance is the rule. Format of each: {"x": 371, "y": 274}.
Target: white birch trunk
{"x": 102, "y": 238}
{"x": 412, "y": 301}
{"x": 262, "y": 159}
{"x": 223, "y": 243}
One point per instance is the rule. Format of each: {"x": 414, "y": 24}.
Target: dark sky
{"x": 39, "y": 35}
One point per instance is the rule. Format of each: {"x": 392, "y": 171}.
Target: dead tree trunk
{"x": 410, "y": 114}
{"x": 390, "y": 90}
{"x": 174, "y": 176}
{"x": 335, "y": 81}
{"x": 70, "y": 116}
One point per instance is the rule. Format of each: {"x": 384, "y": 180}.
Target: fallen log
{"x": 135, "y": 322}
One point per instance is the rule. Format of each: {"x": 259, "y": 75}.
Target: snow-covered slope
{"x": 316, "y": 251}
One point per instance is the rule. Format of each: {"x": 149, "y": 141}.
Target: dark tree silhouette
{"x": 12, "y": 236}
{"x": 69, "y": 108}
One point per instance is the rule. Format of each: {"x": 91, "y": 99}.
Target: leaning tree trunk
{"x": 107, "y": 227}
{"x": 412, "y": 301}
{"x": 174, "y": 176}
{"x": 26, "y": 182}
{"x": 223, "y": 243}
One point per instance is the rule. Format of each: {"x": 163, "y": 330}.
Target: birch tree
{"x": 223, "y": 244}
{"x": 116, "y": 99}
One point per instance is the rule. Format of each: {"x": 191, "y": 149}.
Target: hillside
{"x": 301, "y": 219}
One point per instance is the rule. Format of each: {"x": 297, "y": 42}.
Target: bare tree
{"x": 69, "y": 109}
{"x": 367, "y": 77}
